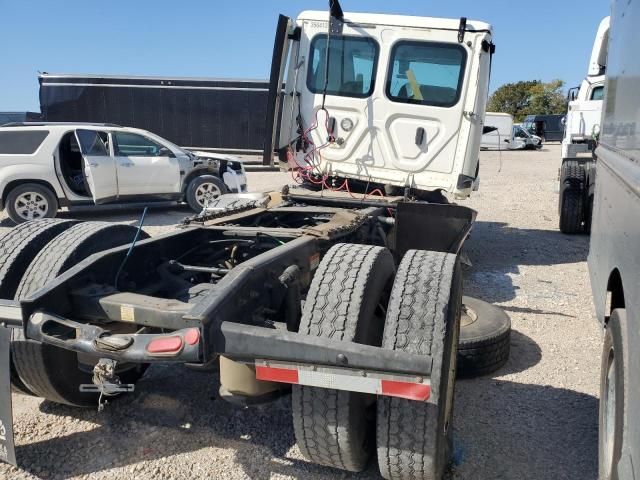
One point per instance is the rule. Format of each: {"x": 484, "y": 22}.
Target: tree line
{"x": 532, "y": 97}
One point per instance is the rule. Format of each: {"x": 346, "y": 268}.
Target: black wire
{"x": 326, "y": 62}
{"x": 133, "y": 244}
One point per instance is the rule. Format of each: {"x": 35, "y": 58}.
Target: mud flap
{"x": 7, "y": 445}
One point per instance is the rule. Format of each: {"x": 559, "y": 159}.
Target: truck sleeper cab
{"x": 385, "y": 99}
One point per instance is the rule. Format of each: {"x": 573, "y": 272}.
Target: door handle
{"x": 93, "y": 164}
{"x": 420, "y": 135}
{"x": 126, "y": 164}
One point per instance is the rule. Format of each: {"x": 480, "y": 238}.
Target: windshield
{"x": 519, "y": 132}
{"x": 529, "y": 126}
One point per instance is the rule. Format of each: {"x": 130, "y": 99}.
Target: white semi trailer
{"x": 582, "y": 127}
{"x": 614, "y": 254}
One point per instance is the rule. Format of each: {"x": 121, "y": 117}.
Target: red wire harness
{"x": 311, "y": 170}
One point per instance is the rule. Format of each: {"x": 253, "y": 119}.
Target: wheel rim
{"x": 206, "y": 193}
{"x": 31, "y": 206}
{"x": 609, "y": 413}
{"x": 468, "y": 316}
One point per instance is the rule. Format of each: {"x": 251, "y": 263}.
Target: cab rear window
{"x": 352, "y": 66}
{"x": 426, "y": 73}
{"x": 25, "y": 142}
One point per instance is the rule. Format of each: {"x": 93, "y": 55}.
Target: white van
{"x": 499, "y": 139}
{"x": 507, "y": 135}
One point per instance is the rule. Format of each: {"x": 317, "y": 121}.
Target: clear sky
{"x": 541, "y": 39}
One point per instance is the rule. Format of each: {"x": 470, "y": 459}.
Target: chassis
{"x": 230, "y": 283}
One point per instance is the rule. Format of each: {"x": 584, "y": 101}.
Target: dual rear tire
{"x": 354, "y": 297}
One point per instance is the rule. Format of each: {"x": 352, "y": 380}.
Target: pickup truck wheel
{"x": 485, "y": 338}
{"x": 613, "y": 399}
{"x": 17, "y": 249}
{"x": 346, "y": 301}
{"x": 31, "y": 201}
{"x": 572, "y": 197}
{"x": 50, "y": 372}
{"x": 415, "y": 438}
{"x": 202, "y": 190}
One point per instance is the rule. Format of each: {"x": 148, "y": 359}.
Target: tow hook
{"x": 106, "y": 382}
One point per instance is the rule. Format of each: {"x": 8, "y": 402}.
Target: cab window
{"x": 352, "y": 66}
{"x": 133, "y": 145}
{"x": 597, "y": 93}
{"x": 426, "y": 73}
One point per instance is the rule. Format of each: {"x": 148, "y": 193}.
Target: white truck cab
{"x": 582, "y": 122}
{"x": 398, "y": 100}
{"x": 582, "y": 130}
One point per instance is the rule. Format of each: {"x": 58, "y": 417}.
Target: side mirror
{"x": 165, "y": 152}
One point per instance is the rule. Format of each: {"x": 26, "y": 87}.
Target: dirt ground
{"x": 536, "y": 418}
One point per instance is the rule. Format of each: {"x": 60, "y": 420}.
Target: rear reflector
{"x": 165, "y": 346}
{"x": 412, "y": 391}
{"x": 375, "y": 383}
{"x": 282, "y": 375}
{"x": 192, "y": 336}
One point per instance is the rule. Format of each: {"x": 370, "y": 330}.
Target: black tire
{"x": 334, "y": 427}
{"x": 613, "y": 399}
{"x": 485, "y": 338}
{"x": 45, "y": 198}
{"x": 415, "y": 438}
{"x": 196, "y": 183}
{"x": 18, "y": 248}
{"x": 50, "y": 372}
{"x": 572, "y": 197}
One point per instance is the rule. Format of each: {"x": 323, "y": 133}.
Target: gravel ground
{"x": 534, "y": 419}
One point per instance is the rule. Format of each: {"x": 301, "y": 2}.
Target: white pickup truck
{"x": 45, "y": 166}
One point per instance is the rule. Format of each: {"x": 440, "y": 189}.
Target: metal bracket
{"x": 336, "y": 18}
{"x": 461, "y": 29}
{"x": 336, "y": 25}
{"x": 7, "y": 444}
{"x": 295, "y": 34}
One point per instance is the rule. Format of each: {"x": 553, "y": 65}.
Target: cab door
{"x": 98, "y": 166}
{"x": 144, "y": 166}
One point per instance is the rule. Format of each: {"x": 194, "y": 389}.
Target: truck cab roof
{"x": 399, "y": 21}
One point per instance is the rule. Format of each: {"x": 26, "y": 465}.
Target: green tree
{"x": 532, "y": 97}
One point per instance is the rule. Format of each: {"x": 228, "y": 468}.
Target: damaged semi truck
{"x": 346, "y": 298}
